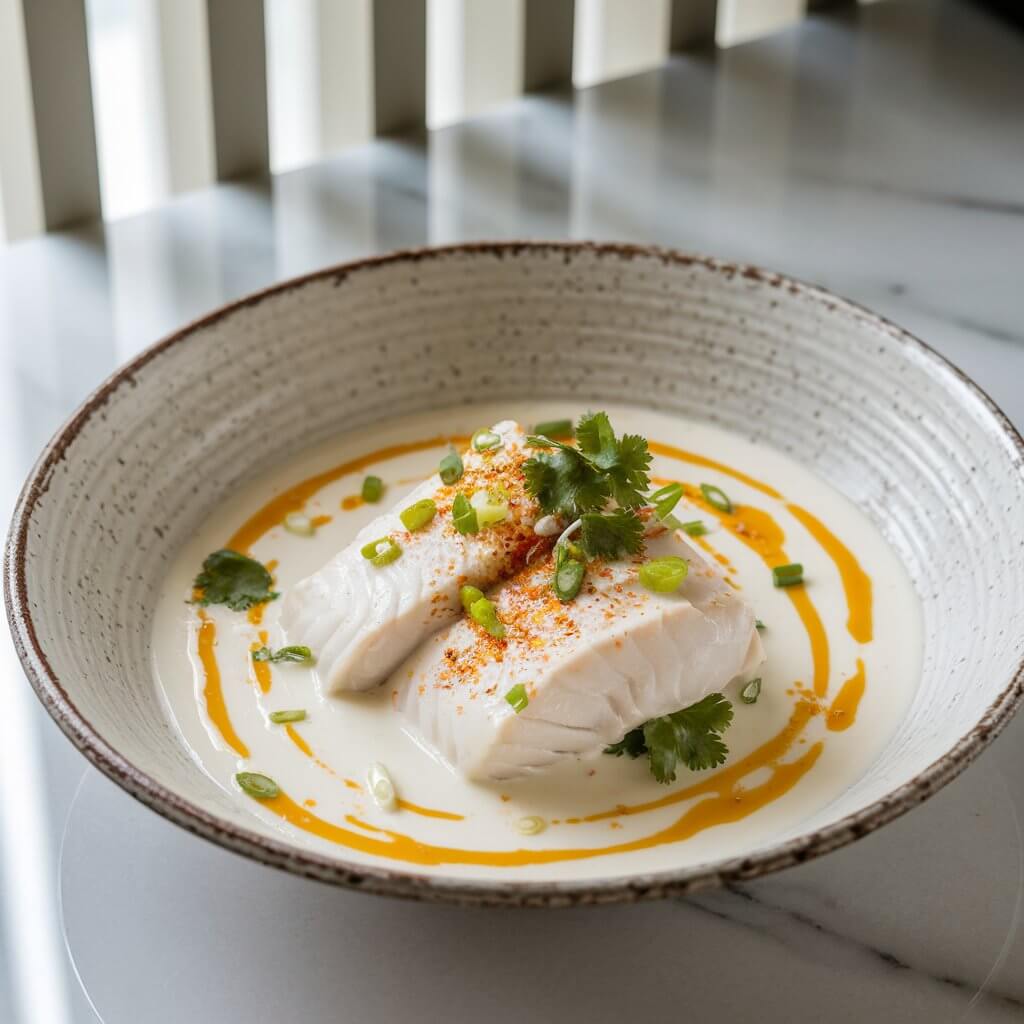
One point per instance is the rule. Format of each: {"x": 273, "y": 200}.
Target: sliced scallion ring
{"x": 382, "y": 551}
{"x": 464, "y": 515}
{"x": 418, "y": 514}
{"x": 517, "y": 698}
{"x": 284, "y": 717}
{"x": 260, "y": 787}
{"x": 299, "y": 524}
{"x": 382, "y": 789}
{"x": 554, "y": 428}
{"x": 451, "y": 468}
{"x": 568, "y": 579}
{"x": 695, "y": 528}
{"x": 788, "y": 575}
{"x": 483, "y": 613}
{"x": 469, "y": 596}
{"x": 531, "y": 825}
{"x": 373, "y": 488}
{"x": 665, "y": 499}
{"x": 491, "y": 507}
{"x": 716, "y": 498}
{"x": 486, "y": 440}
{"x": 751, "y": 691}
{"x": 664, "y": 575}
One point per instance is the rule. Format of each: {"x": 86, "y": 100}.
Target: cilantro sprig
{"x": 598, "y": 484}
{"x": 691, "y": 737}
{"x": 233, "y": 579}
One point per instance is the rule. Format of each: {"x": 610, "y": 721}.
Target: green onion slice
{"x": 716, "y": 497}
{"x": 451, "y": 468}
{"x": 469, "y": 596}
{"x": 486, "y": 440}
{"x": 382, "y": 789}
{"x": 297, "y": 653}
{"x": 418, "y": 514}
{"x": 382, "y": 551}
{"x": 299, "y": 524}
{"x": 695, "y": 528}
{"x": 483, "y": 614}
{"x": 568, "y": 579}
{"x": 665, "y": 499}
{"x": 464, "y": 515}
{"x": 751, "y": 691}
{"x": 663, "y": 575}
{"x": 759, "y": 625}
{"x": 788, "y": 575}
{"x": 531, "y": 825}
{"x": 491, "y": 507}
{"x": 260, "y": 787}
{"x": 554, "y": 428}
{"x": 517, "y": 697}
{"x": 373, "y": 488}
{"x": 283, "y": 717}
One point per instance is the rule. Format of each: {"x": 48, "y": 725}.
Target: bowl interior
{"x": 871, "y": 411}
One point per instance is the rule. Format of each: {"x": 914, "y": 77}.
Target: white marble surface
{"x": 881, "y": 157}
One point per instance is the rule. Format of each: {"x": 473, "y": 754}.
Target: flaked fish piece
{"x": 592, "y": 668}
{"x": 361, "y": 620}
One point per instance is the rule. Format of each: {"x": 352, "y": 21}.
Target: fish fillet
{"x": 361, "y": 620}
{"x": 593, "y": 668}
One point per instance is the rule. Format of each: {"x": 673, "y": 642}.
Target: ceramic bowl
{"x": 872, "y": 410}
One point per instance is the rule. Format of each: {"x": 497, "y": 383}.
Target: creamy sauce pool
{"x": 843, "y": 662}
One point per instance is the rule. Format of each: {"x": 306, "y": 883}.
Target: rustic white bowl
{"x": 868, "y": 407}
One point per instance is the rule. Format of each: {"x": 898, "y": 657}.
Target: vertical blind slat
{"x": 238, "y": 83}
{"x": 692, "y": 24}
{"x": 20, "y": 191}
{"x": 547, "y": 47}
{"x": 58, "y": 62}
{"x": 740, "y": 20}
{"x": 399, "y": 65}
{"x": 185, "y": 94}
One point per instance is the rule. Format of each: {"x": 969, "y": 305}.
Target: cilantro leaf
{"x": 608, "y": 535}
{"x": 233, "y": 579}
{"x": 628, "y": 473}
{"x": 690, "y": 736}
{"x": 595, "y": 438}
{"x": 632, "y": 745}
{"x": 564, "y": 482}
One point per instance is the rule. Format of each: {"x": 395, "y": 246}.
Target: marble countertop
{"x": 878, "y": 153}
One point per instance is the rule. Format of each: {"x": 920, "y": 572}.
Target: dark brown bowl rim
{"x": 399, "y": 883}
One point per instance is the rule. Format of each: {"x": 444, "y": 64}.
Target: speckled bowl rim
{"x": 393, "y": 882}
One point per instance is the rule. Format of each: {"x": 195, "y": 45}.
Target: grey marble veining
{"x": 878, "y": 153}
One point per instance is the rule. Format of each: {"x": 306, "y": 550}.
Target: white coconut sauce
{"x": 322, "y": 763}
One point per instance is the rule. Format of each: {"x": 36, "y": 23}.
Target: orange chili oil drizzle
{"x": 720, "y": 798}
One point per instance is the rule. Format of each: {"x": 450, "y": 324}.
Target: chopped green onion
{"x": 671, "y": 522}
{"x": 759, "y": 625}
{"x": 663, "y": 575}
{"x": 517, "y": 697}
{"x": 299, "y": 524}
{"x": 373, "y": 488}
{"x": 751, "y": 691}
{"x": 483, "y": 614}
{"x": 451, "y": 468}
{"x": 261, "y": 787}
{"x": 716, "y": 497}
{"x": 665, "y": 499}
{"x": 531, "y": 825}
{"x": 469, "y": 596}
{"x": 382, "y": 789}
{"x": 554, "y": 428}
{"x": 486, "y": 440}
{"x": 568, "y": 579}
{"x": 464, "y": 515}
{"x": 695, "y": 528}
{"x": 418, "y": 514}
{"x": 382, "y": 551}
{"x": 283, "y": 717}
{"x": 491, "y": 507}
{"x": 788, "y": 575}
{"x": 299, "y": 654}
